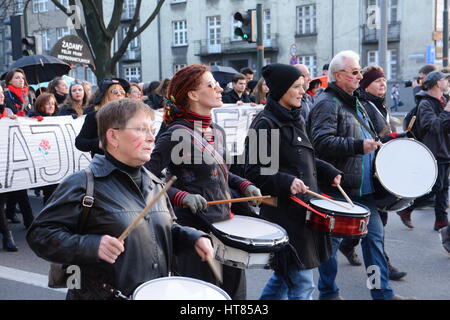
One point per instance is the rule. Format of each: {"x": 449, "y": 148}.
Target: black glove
{"x": 195, "y": 202}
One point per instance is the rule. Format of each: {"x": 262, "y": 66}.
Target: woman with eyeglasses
{"x": 76, "y": 101}
{"x": 121, "y": 187}
{"x": 109, "y": 90}
{"x": 200, "y": 167}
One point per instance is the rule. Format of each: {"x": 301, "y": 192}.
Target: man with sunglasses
{"x": 343, "y": 135}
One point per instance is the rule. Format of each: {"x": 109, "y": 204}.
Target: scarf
{"x": 20, "y": 93}
{"x": 195, "y": 118}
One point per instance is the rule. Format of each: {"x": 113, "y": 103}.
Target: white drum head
{"x": 357, "y": 210}
{"x": 406, "y": 168}
{"x": 250, "y": 228}
{"x": 179, "y": 288}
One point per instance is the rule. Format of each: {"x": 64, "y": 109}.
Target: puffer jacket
{"x": 434, "y": 124}
{"x": 337, "y": 136}
{"x": 54, "y": 235}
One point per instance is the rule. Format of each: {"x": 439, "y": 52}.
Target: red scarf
{"x": 20, "y": 93}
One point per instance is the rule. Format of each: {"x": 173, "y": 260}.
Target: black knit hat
{"x": 279, "y": 78}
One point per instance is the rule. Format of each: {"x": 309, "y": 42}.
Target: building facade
{"x": 311, "y": 32}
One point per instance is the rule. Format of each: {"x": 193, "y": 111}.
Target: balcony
{"x": 372, "y": 35}
{"x": 229, "y": 46}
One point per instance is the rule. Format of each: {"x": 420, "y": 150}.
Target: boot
{"x": 8, "y": 242}
{"x": 405, "y": 216}
{"x": 438, "y": 224}
{"x": 394, "y": 273}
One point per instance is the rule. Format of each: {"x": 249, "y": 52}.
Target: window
{"x": 215, "y": 63}
{"x": 46, "y": 40}
{"x": 392, "y": 69}
{"x": 310, "y": 62}
{"x": 392, "y": 10}
{"x": 62, "y": 32}
{"x": 18, "y": 6}
{"x": 40, "y": 6}
{"x": 132, "y": 73}
{"x": 178, "y": 66}
{"x": 306, "y": 19}
{"x": 65, "y": 3}
{"x": 134, "y": 43}
{"x": 214, "y": 33}
{"x": 179, "y": 33}
{"x": 129, "y": 6}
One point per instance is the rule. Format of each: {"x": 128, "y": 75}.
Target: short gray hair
{"x": 338, "y": 62}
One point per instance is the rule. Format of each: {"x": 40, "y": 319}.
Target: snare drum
{"x": 250, "y": 242}
{"x": 339, "y": 222}
{"x": 405, "y": 169}
{"x": 179, "y": 288}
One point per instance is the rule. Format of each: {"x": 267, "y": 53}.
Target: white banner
{"x": 35, "y": 154}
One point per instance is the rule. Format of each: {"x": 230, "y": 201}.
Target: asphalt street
{"x": 23, "y": 275}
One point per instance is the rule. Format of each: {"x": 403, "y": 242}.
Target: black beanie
{"x": 279, "y": 78}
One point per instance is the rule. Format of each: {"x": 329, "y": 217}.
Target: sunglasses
{"x": 117, "y": 91}
{"x": 353, "y": 72}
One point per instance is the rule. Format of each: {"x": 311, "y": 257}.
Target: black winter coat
{"x": 337, "y": 135}
{"x": 297, "y": 159}
{"x": 434, "y": 124}
{"x": 87, "y": 140}
{"x": 54, "y": 234}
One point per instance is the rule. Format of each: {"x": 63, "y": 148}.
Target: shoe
{"x": 405, "y": 216}
{"x": 440, "y": 224}
{"x": 8, "y": 242}
{"x": 351, "y": 256}
{"x": 444, "y": 233}
{"x": 395, "y": 274}
{"x": 397, "y": 297}
{"x": 14, "y": 219}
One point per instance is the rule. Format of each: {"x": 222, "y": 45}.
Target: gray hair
{"x": 338, "y": 62}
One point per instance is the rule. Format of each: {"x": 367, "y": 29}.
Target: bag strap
{"x": 88, "y": 199}
{"x": 370, "y": 130}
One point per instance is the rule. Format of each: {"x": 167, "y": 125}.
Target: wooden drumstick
{"x": 411, "y": 123}
{"x": 216, "y": 269}
{"x": 327, "y": 199}
{"x": 145, "y": 211}
{"x": 238, "y": 200}
{"x": 345, "y": 195}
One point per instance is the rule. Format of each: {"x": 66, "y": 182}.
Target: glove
{"x": 195, "y": 202}
{"x": 252, "y": 191}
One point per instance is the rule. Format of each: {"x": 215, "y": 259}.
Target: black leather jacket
{"x": 337, "y": 136}
{"x": 54, "y": 234}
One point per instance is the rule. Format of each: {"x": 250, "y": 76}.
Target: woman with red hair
{"x": 199, "y": 166}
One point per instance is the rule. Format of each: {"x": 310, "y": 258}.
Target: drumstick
{"x": 411, "y": 123}
{"x": 215, "y": 268}
{"x": 145, "y": 211}
{"x": 325, "y": 198}
{"x": 238, "y": 200}
{"x": 345, "y": 195}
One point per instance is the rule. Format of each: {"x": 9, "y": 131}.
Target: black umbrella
{"x": 223, "y": 75}
{"x": 40, "y": 68}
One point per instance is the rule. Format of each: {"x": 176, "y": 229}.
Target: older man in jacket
{"x": 343, "y": 135}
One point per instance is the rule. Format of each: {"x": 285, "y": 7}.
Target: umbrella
{"x": 40, "y": 68}
{"x": 67, "y": 79}
{"x": 223, "y": 75}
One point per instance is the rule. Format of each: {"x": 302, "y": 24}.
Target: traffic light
{"x": 15, "y": 23}
{"x": 28, "y": 46}
{"x": 248, "y": 29}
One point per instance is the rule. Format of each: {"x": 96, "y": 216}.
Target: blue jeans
{"x": 277, "y": 289}
{"x": 373, "y": 255}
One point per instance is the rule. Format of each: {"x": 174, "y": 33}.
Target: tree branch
{"x": 98, "y": 16}
{"x": 116, "y": 16}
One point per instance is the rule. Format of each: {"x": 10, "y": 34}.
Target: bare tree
{"x": 100, "y": 36}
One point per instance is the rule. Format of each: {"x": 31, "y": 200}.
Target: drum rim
{"x": 252, "y": 241}
{"x": 342, "y": 214}
{"x": 216, "y": 288}
{"x": 426, "y": 148}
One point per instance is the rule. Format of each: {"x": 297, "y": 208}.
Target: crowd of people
{"x": 328, "y": 137}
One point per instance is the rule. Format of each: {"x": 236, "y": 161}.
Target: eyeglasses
{"x": 117, "y": 91}
{"x": 353, "y": 72}
{"x": 142, "y": 131}
{"x": 214, "y": 85}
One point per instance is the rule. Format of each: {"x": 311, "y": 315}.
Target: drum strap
{"x": 302, "y": 203}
